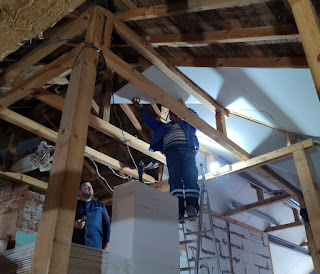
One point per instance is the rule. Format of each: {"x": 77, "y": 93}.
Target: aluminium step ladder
{"x": 194, "y": 260}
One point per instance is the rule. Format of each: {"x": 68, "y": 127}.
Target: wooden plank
{"x": 254, "y": 206}
{"x": 221, "y": 122}
{"x": 48, "y": 134}
{"x": 296, "y": 215}
{"x": 68, "y": 30}
{"x": 155, "y": 92}
{"x": 249, "y": 62}
{"x": 25, "y": 179}
{"x": 38, "y": 79}
{"x": 265, "y": 158}
{"x": 311, "y": 199}
{"x": 21, "y": 22}
{"x": 285, "y": 226}
{"x": 309, "y": 29}
{"x": 176, "y": 8}
{"x": 101, "y": 125}
{"x": 141, "y": 46}
{"x": 11, "y": 150}
{"x": 127, "y": 110}
{"x": 243, "y": 35}
{"x": 156, "y": 109}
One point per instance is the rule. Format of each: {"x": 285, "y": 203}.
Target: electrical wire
{"x": 97, "y": 170}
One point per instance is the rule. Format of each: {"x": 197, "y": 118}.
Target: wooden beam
{"x": 281, "y": 227}
{"x": 155, "y": 92}
{"x": 127, "y": 110}
{"x": 265, "y": 158}
{"x": 254, "y": 206}
{"x": 311, "y": 198}
{"x": 163, "y": 65}
{"x": 68, "y": 30}
{"x": 101, "y": 125}
{"x": 38, "y": 79}
{"x": 22, "y": 22}
{"x": 156, "y": 109}
{"x": 243, "y": 35}
{"x": 221, "y": 122}
{"x": 25, "y": 179}
{"x": 48, "y": 134}
{"x": 249, "y": 62}
{"x": 164, "y": 113}
{"x": 308, "y": 25}
{"x": 176, "y": 8}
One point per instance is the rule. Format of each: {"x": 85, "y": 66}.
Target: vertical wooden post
{"x": 221, "y": 122}
{"x": 309, "y": 191}
{"x": 312, "y": 201}
{"x": 56, "y": 227}
{"x": 309, "y": 29}
{"x": 11, "y": 151}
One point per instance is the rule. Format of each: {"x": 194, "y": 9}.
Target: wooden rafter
{"x": 163, "y": 65}
{"x": 132, "y": 117}
{"x": 48, "y": 134}
{"x": 176, "y": 8}
{"x": 267, "y": 33}
{"x": 38, "y": 79}
{"x": 101, "y": 125}
{"x": 255, "y": 62}
{"x": 253, "y": 206}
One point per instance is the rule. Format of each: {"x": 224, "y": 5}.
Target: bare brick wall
{"x": 20, "y": 208}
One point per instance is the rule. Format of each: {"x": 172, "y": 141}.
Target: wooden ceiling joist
{"x": 48, "y": 134}
{"x": 25, "y": 179}
{"x": 243, "y": 35}
{"x": 254, "y": 206}
{"x": 68, "y": 30}
{"x": 163, "y": 65}
{"x": 249, "y": 62}
{"x": 99, "y": 124}
{"x": 38, "y": 79}
{"x": 182, "y": 7}
{"x": 285, "y": 226}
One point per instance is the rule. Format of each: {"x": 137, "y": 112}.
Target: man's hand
{"x": 136, "y": 103}
{"x": 79, "y": 224}
{"x": 106, "y": 248}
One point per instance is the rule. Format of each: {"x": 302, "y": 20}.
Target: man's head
{"x": 85, "y": 191}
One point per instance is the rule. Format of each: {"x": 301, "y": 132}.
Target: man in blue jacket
{"x": 178, "y": 141}
{"x": 92, "y": 224}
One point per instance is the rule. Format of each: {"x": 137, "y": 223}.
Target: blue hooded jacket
{"x": 160, "y": 129}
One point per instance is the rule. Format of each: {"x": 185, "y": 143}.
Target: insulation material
{"x": 23, "y": 20}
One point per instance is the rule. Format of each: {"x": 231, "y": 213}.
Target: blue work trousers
{"x": 183, "y": 176}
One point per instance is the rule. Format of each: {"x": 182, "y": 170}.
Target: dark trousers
{"x": 183, "y": 176}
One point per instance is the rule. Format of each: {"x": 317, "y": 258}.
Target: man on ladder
{"x": 178, "y": 141}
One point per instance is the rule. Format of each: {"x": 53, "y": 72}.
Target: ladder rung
{"x": 187, "y": 268}
{"x": 193, "y": 233}
{"x": 188, "y": 242}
